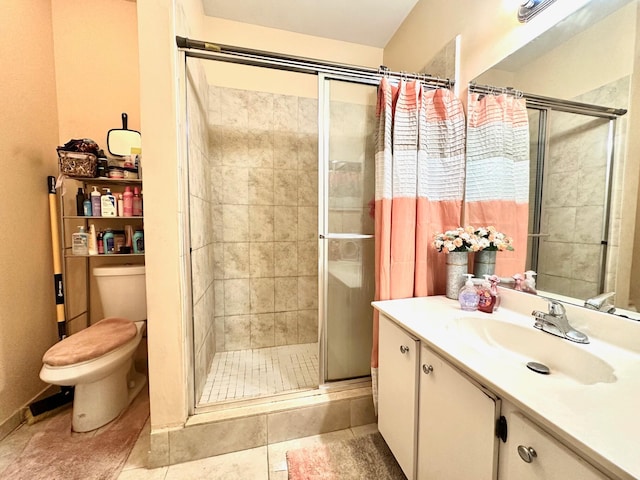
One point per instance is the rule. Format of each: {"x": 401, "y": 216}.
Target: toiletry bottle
{"x": 529, "y": 284}
{"x": 494, "y": 280}
{"x": 80, "y": 242}
{"x": 108, "y": 241}
{"x": 120, "y": 205}
{"x": 517, "y": 278}
{"x": 86, "y": 208}
{"x": 128, "y": 236}
{"x": 128, "y": 201}
{"x": 100, "y": 243}
{"x": 138, "y": 242}
{"x": 468, "y": 296}
{"x": 95, "y": 202}
{"x": 487, "y": 300}
{"x": 80, "y": 202}
{"x": 137, "y": 203}
{"x": 108, "y": 204}
{"x": 93, "y": 240}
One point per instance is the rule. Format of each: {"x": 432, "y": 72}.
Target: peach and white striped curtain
{"x": 497, "y": 187}
{"x": 420, "y": 156}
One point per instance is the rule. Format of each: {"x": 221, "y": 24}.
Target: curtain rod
{"x": 261, "y": 58}
{"x": 538, "y": 101}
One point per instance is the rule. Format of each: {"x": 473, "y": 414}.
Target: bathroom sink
{"x": 524, "y": 344}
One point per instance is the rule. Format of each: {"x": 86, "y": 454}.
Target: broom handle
{"x": 57, "y": 260}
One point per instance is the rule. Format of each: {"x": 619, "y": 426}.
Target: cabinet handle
{"x": 527, "y": 454}
{"x": 404, "y": 349}
{"x": 427, "y": 369}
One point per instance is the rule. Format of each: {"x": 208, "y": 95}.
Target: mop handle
{"x": 57, "y": 261}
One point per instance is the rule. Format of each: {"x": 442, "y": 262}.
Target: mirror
{"x": 589, "y": 58}
{"x": 120, "y": 141}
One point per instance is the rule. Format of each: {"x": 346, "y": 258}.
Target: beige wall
{"x": 96, "y": 58}
{"x": 28, "y": 138}
{"x": 489, "y": 31}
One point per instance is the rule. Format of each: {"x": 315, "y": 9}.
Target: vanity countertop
{"x": 601, "y": 420}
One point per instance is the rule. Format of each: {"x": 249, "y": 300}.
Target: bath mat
{"x": 57, "y": 453}
{"x": 365, "y": 457}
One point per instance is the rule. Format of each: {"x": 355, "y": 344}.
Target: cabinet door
{"x": 456, "y": 436}
{"x": 551, "y": 460}
{"x": 397, "y": 393}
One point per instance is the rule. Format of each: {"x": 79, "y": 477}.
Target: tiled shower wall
{"x": 201, "y": 208}
{"x": 263, "y": 150}
{"x": 573, "y": 202}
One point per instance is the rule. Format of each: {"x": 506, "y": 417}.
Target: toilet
{"x": 98, "y": 360}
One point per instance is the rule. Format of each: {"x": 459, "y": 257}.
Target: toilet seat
{"x": 91, "y": 343}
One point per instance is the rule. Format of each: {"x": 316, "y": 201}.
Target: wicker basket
{"x": 77, "y": 164}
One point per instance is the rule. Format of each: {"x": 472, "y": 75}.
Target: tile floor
{"x": 262, "y": 463}
{"x": 258, "y": 372}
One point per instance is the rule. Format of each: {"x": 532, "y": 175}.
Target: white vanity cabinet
{"x": 531, "y": 454}
{"x": 398, "y": 355}
{"x": 457, "y": 418}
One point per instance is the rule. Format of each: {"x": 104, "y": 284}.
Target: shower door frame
{"x": 323, "y": 218}
{"x": 544, "y": 137}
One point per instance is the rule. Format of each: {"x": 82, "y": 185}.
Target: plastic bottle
{"x": 487, "y": 300}
{"x": 137, "y": 203}
{"x": 494, "y": 280}
{"x": 128, "y": 202}
{"x": 80, "y": 242}
{"x": 108, "y": 204}
{"x": 109, "y": 241}
{"x": 93, "y": 240}
{"x": 468, "y": 296}
{"x": 86, "y": 208}
{"x": 120, "y": 205}
{"x": 529, "y": 284}
{"x": 100, "y": 243}
{"x": 96, "y": 198}
{"x": 138, "y": 242}
{"x": 80, "y": 202}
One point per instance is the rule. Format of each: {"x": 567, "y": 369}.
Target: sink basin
{"x": 524, "y": 343}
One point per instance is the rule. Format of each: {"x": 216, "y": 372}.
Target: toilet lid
{"x": 92, "y": 342}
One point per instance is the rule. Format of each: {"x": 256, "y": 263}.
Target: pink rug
{"x": 56, "y": 453}
{"x": 366, "y": 457}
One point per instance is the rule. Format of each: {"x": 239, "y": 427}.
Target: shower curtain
{"x": 420, "y": 149}
{"x": 497, "y": 188}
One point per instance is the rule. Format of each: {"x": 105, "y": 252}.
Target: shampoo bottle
{"x": 108, "y": 204}
{"x": 86, "y": 208}
{"x": 80, "y": 242}
{"x": 93, "y": 240}
{"x": 80, "y": 202}
{"x": 128, "y": 202}
{"x": 486, "y": 301}
{"x": 137, "y": 203}
{"x": 96, "y": 198}
{"x": 468, "y": 296}
{"x": 120, "y": 205}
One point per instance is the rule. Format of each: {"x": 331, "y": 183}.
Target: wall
{"x": 489, "y": 31}
{"x": 28, "y": 138}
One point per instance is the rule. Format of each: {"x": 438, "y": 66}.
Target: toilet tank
{"x": 122, "y": 291}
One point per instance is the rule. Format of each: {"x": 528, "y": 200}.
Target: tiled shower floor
{"x": 258, "y": 372}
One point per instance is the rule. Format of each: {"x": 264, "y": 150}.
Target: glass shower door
{"x": 347, "y": 160}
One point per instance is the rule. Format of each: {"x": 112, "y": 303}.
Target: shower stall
{"x": 280, "y": 180}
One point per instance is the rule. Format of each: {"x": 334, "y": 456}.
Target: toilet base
{"x": 96, "y": 404}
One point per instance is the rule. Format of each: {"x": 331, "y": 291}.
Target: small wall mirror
{"x": 120, "y": 141}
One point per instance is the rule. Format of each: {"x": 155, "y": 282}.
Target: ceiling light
{"x": 530, "y": 8}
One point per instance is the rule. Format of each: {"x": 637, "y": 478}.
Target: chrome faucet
{"x": 602, "y": 302}
{"x": 556, "y": 323}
